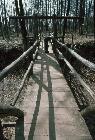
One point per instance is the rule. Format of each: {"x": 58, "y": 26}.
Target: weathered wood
{"x": 1, "y": 132}
{"x": 10, "y": 111}
{"x": 30, "y": 68}
{"x": 74, "y": 72}
{"x": 78, "y": 57}
{"x": 10, "y": 67}
{"x": 8, "y": 124}
{"x": 88, "y": 111}
{"x": 89, "y": 115}
{"x": 55, "y": 26}
{"x": 44, "y": 17}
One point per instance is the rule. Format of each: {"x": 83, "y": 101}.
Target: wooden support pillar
{"x": 54, "y": 26}
{"x": 89, "y": 115}
{"x": 19, "y": 130}
{"x": 1, "y": 132}
{"x": 46, "y": 45}
{"x": 6, "y": 111}
{"x": 35, "y": 27}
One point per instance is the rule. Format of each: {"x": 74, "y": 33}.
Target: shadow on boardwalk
{"x": 52, "y": 133}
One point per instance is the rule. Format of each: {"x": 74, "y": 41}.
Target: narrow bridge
{"x": 49, "y": 110}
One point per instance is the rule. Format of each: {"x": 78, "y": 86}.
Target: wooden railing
{"x": 44, "y": 17}
{"x": 77, "y": 56}
{"x": 10, "y": 67}
{"x": 60, "y": 54}
{"x": 10, "y": 110}
{"x": 6, "y": 111}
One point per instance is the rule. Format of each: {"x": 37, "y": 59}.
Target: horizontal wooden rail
{"x": 10, "y": 67}
{"x": 74, "y": 72}
{"x": 44, "y": 17}
{"x": 30, "y": 68}
{"x": 78, "y": 57}
{"x": 10, "y": 111}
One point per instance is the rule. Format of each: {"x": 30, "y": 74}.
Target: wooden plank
{"x": 50, "y": 113}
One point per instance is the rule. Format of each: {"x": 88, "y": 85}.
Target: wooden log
{"x": 88, "y": 111}
{"x": 89, "y": 115}
{"x": 23, "y": 80}
{"x": 78, "y": 57}
{"x": 1, "y": 132}
{"x": 74, "y": 73}
{"x": 22, "y": 84}
{"x": 44, "y": 17}
{"x": 8, "y": 124}
{"x": 10, "y": 111}
{"x": 10, "y": 67}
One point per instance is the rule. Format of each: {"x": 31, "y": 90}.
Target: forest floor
{"x": 78, "y": 39}
{"x": 17, "y": 41}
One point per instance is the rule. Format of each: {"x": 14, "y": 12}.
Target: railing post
{"x": 89, "y": 115}
{"x": 1, "y": 132}
{"x": 55, "y": 26}
{"x": 54, "y": 45}
{"x": 19, "y": 129}
{"x": 46, "y": 45}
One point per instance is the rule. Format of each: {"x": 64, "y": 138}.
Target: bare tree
{"x": 81, "y": 14}
{"x": 94, "y": 20}
{"x": 65, "y": 20}
{"x": 20, "y": 12}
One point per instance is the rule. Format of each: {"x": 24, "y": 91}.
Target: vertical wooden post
{"x": 54, "y": 26}
{"x": 1, "y": 132}
{"x": 46, "y": 45}
{"x": 19, "y": 129}
{"x": 35, "y": 27}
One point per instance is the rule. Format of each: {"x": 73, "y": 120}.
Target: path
{"x": 51, "y": 112}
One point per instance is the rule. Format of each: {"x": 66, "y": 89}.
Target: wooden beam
{"x": 78, "y": 57}
{"x": 10, "y": 67}
{"x": 24, "y": 78}
{"x": 10, "y": 111}
{"x": 74, "y": 73}
{"x": 44, "y": 17}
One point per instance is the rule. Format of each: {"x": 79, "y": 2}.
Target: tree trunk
{"x": 65, "y": 21}
{"x": 76, "y": 12}
{"x": 81, "y": 14}
{"x": 20, "y": 12}
{"x": 94, "y": 20}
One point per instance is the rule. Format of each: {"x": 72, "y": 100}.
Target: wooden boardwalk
{"x": 51, "y": 112}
